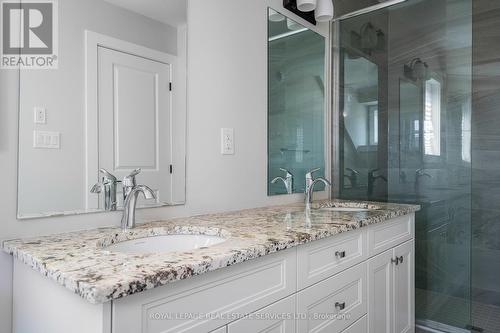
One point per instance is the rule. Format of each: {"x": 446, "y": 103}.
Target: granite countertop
{"x": 78, "y": 261}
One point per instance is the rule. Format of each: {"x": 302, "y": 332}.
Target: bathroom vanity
{"x": 339, "y": 266}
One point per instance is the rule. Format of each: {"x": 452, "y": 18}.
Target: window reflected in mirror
{"x": 432, "y": 118}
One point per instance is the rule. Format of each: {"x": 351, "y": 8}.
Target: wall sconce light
{"x": 324, "y": 11}
{"x": 306, "y": 5}
{"x": 369, "y": 39}
{"x": 416, "y": 70}
{"x": 291, "y": 5}
{"x": 311, "y": 10}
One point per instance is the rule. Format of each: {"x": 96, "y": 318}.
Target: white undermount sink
{"x": 346, "y": 209}
{"x": 166, "y": 243}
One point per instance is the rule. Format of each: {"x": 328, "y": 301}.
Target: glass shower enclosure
{"x": 406, "y": 117}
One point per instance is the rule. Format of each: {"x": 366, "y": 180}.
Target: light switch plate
{"x": 227, "y": 141}
{"x": 46, "y": 140}
{"x": 40, "y": 115}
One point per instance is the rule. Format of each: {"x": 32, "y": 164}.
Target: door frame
{"x": 93, "y": 41}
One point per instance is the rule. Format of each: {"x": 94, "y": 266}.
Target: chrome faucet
{"x": 372, "y": 179}
{"x": 288, "y": 180}
{"x": 108, "y": 187}
{"x": 353, "y": 177}
{"x": 419, "y": 174}
{"x": 132, "y": 193}
{"x": 311, "y": 183}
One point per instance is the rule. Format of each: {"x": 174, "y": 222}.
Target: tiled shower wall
{"x": 486, "y": 153}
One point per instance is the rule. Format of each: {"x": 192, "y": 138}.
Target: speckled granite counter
{"x": 78, "y": 261}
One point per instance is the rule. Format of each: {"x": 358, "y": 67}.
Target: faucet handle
{"x": 130, "y": 179}
{"x": 309, "y": 175}
{"x": 287, "y": 172}
{"x": 107, "y": 176}
{"x": 353, "y": 171}
{"x": 420, "y": 171}
{"x": 135, "y": 173}
{"x": 97, "y": 188}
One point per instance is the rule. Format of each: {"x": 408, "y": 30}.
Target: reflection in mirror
{"x": 361, "y": 122}
{"x": 410, "y": 104}
{"x": 420, "y": 122}
{"x": 296, "y": 111}
{"x": 432, "y": 118}
{"x": 108, "y": 110}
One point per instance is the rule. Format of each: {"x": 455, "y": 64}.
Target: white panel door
{"x": 276, "y": 318}
{"x": 381, "y": 292}
{"x": 135, "y": 119}
{"x": 404, "y": 289}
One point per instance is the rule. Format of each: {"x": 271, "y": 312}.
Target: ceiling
{"x": 172, "y": 12}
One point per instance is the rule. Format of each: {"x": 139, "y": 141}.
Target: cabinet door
{"x": 222, "y": 296}
{"x": 381, "y": 292}
{"x": 404, "y": 289}
{"x": 276, "y": 318}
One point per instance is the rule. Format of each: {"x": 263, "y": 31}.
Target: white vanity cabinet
{"x": 356, "y": 282}
{"x": 276, "y": 318}
{"x": 220, "y": 330}
{"x": 391, "y": 290}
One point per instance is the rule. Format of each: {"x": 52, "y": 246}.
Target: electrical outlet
{"x": 46, "y": 140}
{"x": 227, "y": 141}
{"x": 40, "y": 115}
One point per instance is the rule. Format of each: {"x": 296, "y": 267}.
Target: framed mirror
{"x": 115, "y": 106}
{"x": 296, "y": 104}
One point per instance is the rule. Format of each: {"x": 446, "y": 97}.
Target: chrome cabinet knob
{"x": 340, "y": 254}
{"x": 340, "y": 306}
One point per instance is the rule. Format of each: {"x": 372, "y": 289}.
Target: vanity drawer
{"x": 319, "y": 260}
{"x": 386, "y": 235}
{"x": 219, "y": 297}
{"x": 361, "y": 326}
{"x": 335, "y": 303}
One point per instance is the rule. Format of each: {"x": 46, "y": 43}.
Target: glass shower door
{"x": 405, "y": 120}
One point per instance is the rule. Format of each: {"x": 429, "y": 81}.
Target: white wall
{"x": 227, "y": 75}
